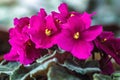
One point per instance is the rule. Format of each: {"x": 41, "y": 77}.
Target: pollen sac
{"x": 104, "y": 40}
{"x": 76, "y": 35}
{"x": 28, "y": 43}
{"x": 58, "y": 21}
{"x": 47, "y": 32}
{"x": 28, "y": 26}
{"x": 71, "y": 15}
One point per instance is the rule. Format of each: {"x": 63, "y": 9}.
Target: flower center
{"x": 105, "y": 39}
{"x": 28, "y": 43}
{"x": 48, "y": 32}
{"x": 58, "y": 21}
{"x": 28, "y": 26}
{"x": 118, "y": 52}
{"x": 76, "y": 35}
{"x": 71, "y": 15}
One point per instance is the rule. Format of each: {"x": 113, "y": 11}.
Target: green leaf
{"x": 87, "y": 69}
{"x": 46, "y": 57}
{"x": 43, "y": 66}
{"x": 4, "y": 76}
{"x": 116, "y": 76}
{"x": 59, "y": 73}
{"x": 101, "y": 77}
{"x": 32, "y": 71}
{"x": 8, "y": 67}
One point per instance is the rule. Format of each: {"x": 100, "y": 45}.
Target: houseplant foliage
{"x": 60, "y": 46}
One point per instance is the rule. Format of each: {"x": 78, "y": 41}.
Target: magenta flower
{"x": 109, "y": 44}
{"x": 43, "y": 30}
{"x": 23, "y": 49}
{"x": 21, "y": 23}
{"x": 64, "y": 14}
{"x": 42, "y": 13}
{"x": 77, "y": 35}
{"x": 102, "y": 38}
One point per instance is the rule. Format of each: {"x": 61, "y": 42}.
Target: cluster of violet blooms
{"x": 71, "y": 31}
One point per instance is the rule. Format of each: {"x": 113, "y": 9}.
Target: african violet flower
{"x": 42, "y": 30}
{"x": 65, "y": 14}
{"x": 77, "y": 35}
{"x": 102, "y": 38}
{"x": 21, "y": 23}
{"x": 109, "y": 44}
{"x": 22, "y": 48}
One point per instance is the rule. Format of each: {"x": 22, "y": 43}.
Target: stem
{"x": 93, "y": 56}
{"x": 107, "y": 62}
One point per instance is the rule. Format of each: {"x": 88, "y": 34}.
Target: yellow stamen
{"x": 105, "y": 39}
{"x": 71, "y": 15}
{"x": 58, "y": 21}
{"x": 29, "y": 26}
{"x": 76, "y": 35}
{"x": 47, "y": 32}
{"x": 29, "y": 43}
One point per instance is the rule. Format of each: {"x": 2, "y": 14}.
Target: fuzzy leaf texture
{"x": 89, "y": 67}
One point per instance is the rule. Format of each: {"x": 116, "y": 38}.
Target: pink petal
{"x": 24, "y": 58}
{"x": 28, "y": 54}
{"x": 92, "y": 14}
{"x": 50, "y": 23}
{"x": 36, "y": 37}
{"x": 16, "y": 21}
{"x": 92, "y": 33}
{"x": 36, "y": 22}
{"x": 12, "y": 55}
{"x": 75, "y": 24}
{"x": 65, "y": 40}
{"x": 86, "y": 18}
{"x": 63, "y": 8}
{"x": 82, "y": 50}
{"x": 42, "y": 13}
{"x": 107, "y": 35}
{"x": 41, "y": 40}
